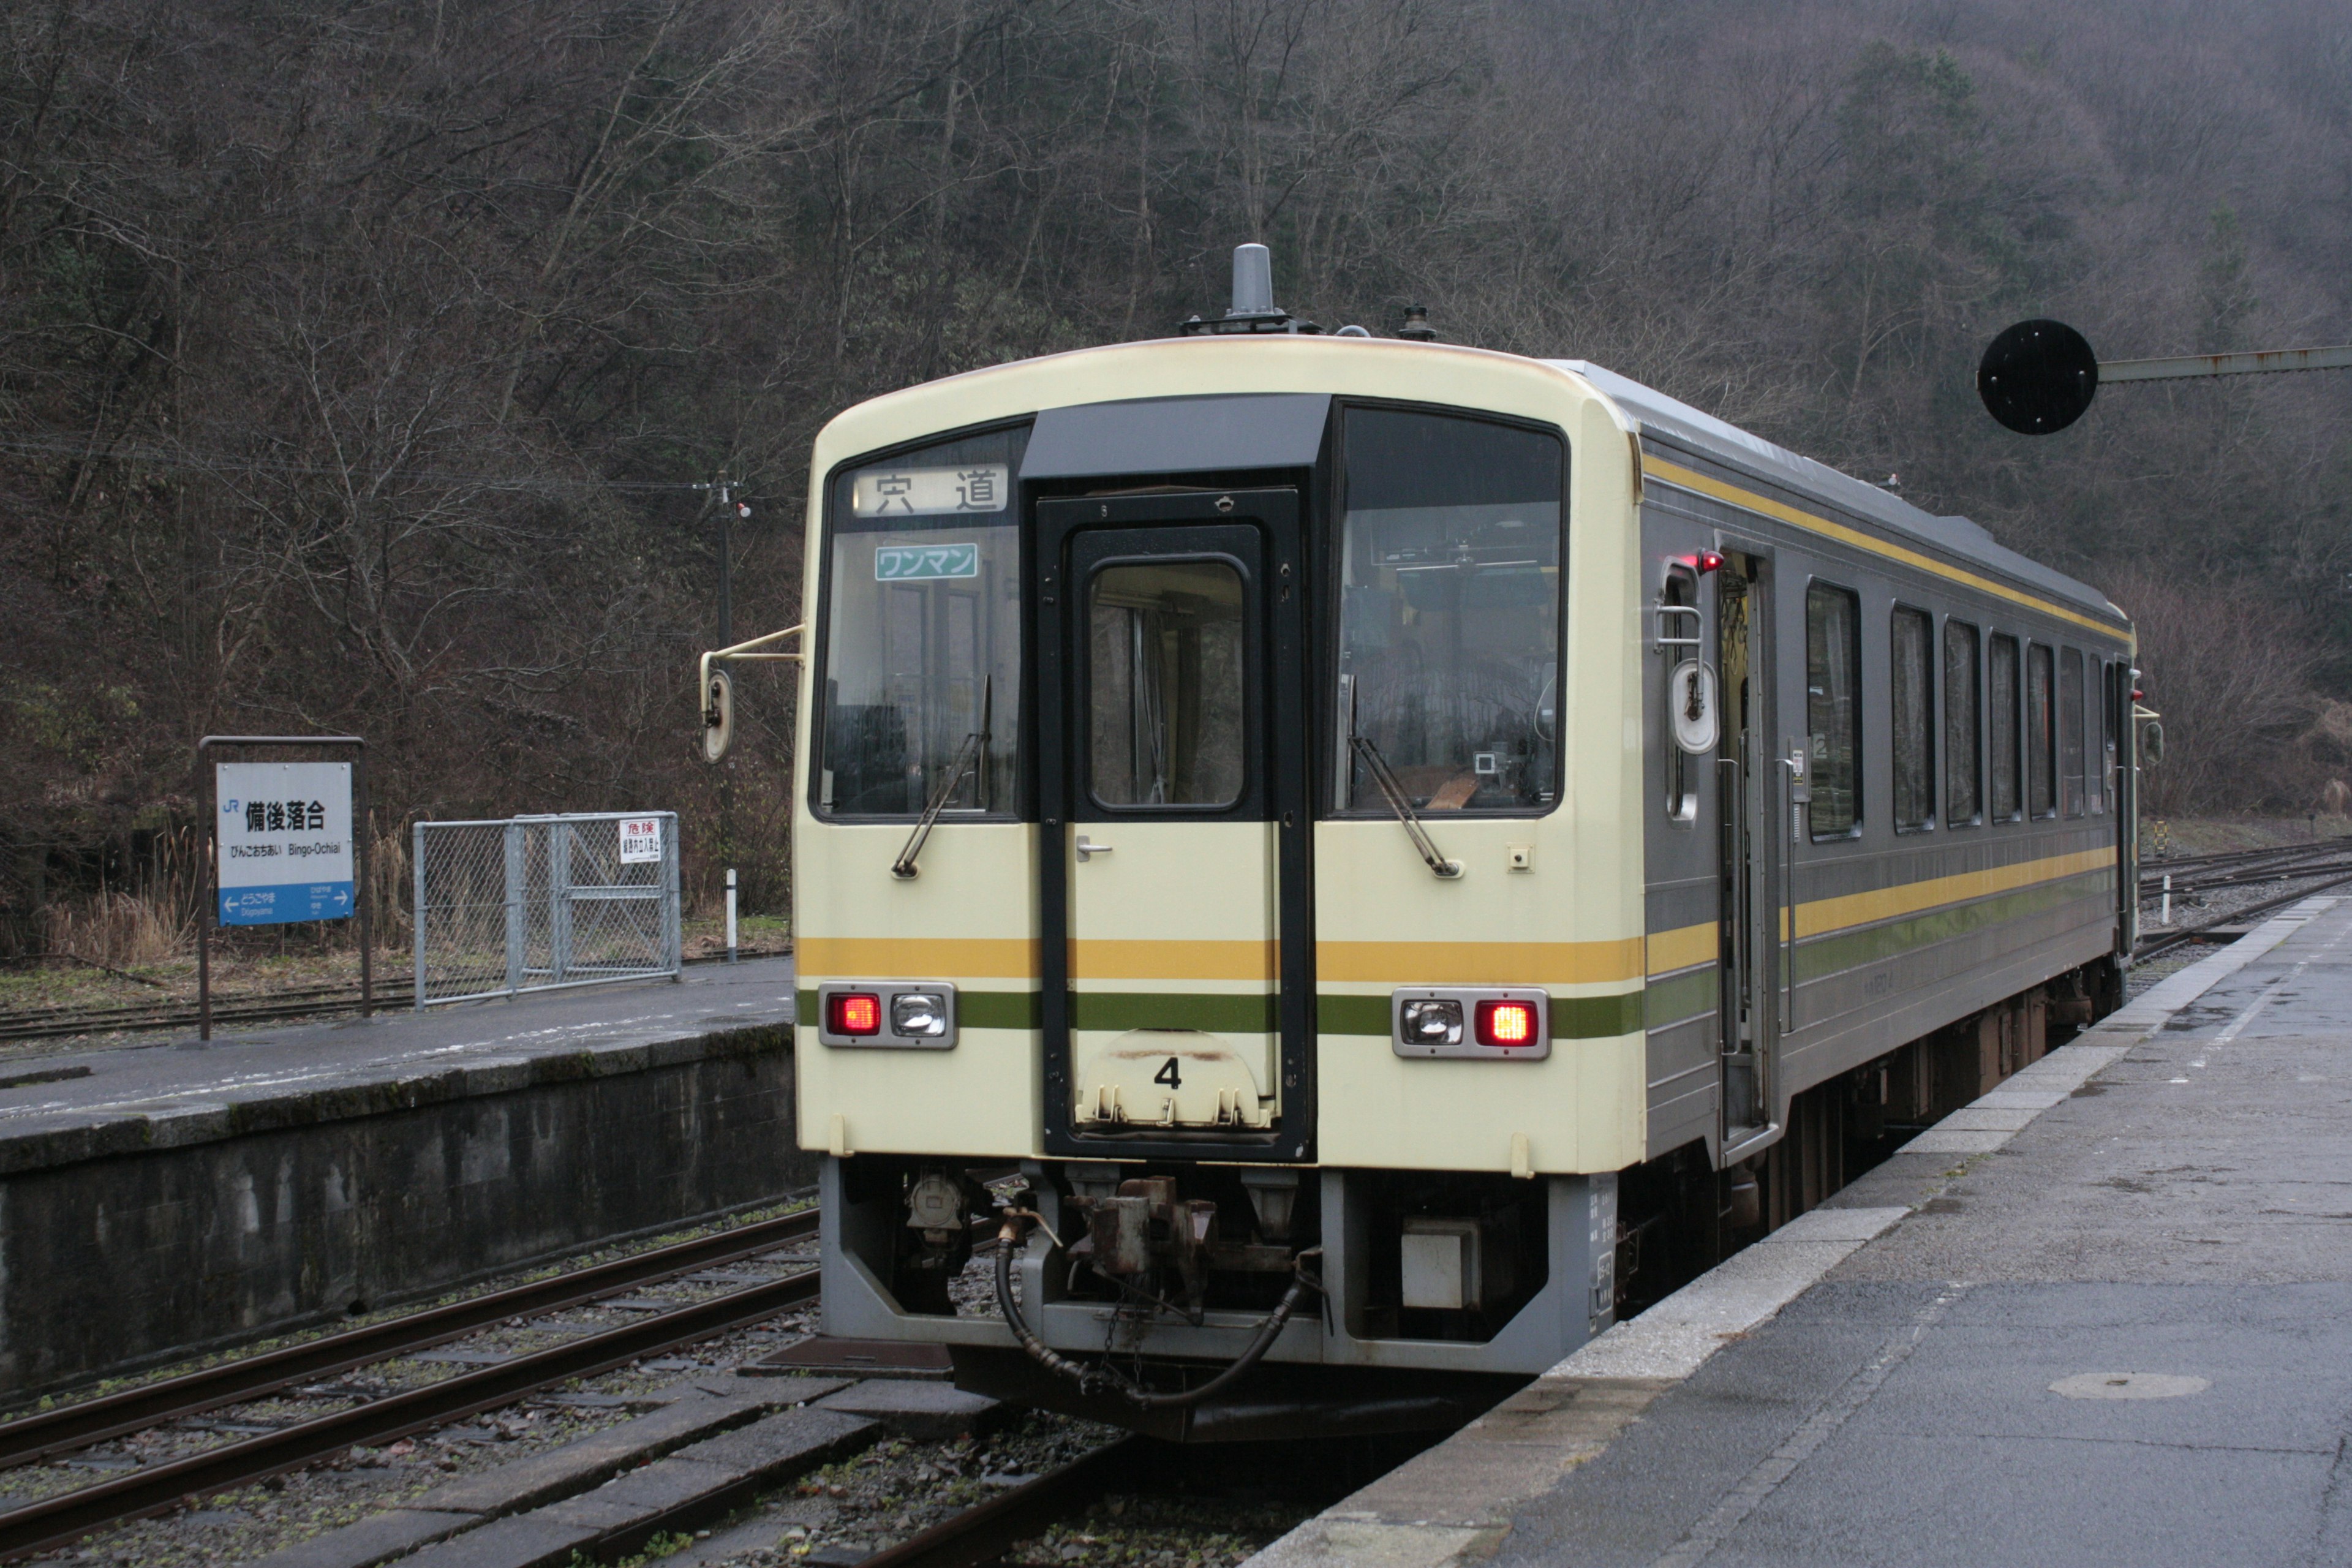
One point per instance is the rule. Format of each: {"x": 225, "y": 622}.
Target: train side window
{"x": 1682, "y": 768}
{"x": 2070, "y": 730}
{"x": 2041, "y": 733}
{"x": 1962, "y": 681}
{"x": 1911, "y": 716}
{"x": 2008, "y": 756}
{"x": 1834, "y": 709}
{"x": 1451, "y": 596}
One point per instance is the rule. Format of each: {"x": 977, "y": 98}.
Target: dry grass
{"x": 117, "y": 928}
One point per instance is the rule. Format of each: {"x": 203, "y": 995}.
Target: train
{"x": 1329, "y": 869}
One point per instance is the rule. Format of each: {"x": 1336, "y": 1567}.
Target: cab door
{"x": 1176, "y": 936}
{"x": 1755, "y": 816}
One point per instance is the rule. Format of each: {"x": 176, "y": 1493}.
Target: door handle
{"x": 1088, "y": 851}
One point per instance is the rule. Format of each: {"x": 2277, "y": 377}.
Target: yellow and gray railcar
{"x": 1403, "y": 848}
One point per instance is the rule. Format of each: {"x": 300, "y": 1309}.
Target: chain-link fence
{"x": 532, "y": 904}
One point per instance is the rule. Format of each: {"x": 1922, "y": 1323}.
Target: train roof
{"x": 1709, "y": 438}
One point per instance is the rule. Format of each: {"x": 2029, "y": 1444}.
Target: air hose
{"x": 1090, "y": 1378}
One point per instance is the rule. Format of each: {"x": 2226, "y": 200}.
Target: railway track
{"x": 63, "y": 1023}
{"x": 2240, "y": 868}
{"x": 67, "y": 1516}
{"x": 981, "y": 1534}
{"x": 2336, "y": 875}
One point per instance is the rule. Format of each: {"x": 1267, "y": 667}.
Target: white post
{"x": 730, "y": 915}
{"x": 2163, "y": 919}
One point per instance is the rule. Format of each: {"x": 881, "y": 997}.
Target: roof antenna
{"x": 1252, "y": 282}
{"x": 1254, "y": 309}
{"x": 1416, "y": 328}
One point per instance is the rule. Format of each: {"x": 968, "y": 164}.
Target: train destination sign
{"x": 285, "y": 836}
{"x": 931, "y": 492}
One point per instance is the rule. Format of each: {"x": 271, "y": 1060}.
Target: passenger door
{"x": 1177, "y": 948}
{"x": 1757, "y": 814}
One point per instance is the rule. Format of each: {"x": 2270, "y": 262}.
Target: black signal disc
{"x": 2037, "y": 376}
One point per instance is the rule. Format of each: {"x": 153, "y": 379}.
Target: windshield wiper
{"x": 971, "y": 757}
{"x": 1394, "y": 794}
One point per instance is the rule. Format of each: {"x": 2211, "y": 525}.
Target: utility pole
{"x": 729, "y": 509}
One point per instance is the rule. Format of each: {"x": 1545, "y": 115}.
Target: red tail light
{"x": 1506, "y": 1023}
{"x": 857, "y": 1012}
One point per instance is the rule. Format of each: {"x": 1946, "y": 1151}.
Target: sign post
{"x": 289, "y": 842}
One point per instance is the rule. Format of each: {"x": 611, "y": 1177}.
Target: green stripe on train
{"x": 1173, "y": 1010}
{"x": 1685, "y": 996}
{"x": 1821, "y": 956}
{"x": 1572, "y": 1017}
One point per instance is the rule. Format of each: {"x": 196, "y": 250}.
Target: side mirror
{"x": 2151, "y": 742}
{"x": 717, "y": 715}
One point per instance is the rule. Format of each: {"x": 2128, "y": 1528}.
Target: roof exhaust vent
{"x": 1252, "y": 282}
{"x": 1254, "y": 309}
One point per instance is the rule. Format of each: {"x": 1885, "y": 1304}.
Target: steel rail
{"x": 2247, "y": 878}
{"x": 36, "y": 1437}
{"x": 2167, "y": 943}
{"x": 58, "y": 1023}
{"x": 2240, "y": 866}
{"x": 66, "y": 1027}
{"x": 140, "y": 1009}
{"x": 68, "y": 1516}
{"x": 982, "y": 1533}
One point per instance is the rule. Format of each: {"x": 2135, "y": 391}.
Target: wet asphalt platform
{"x": 162, "y": 1198}
{"x": 2103, "y": 1317}
{"x": 137, "y": 1095}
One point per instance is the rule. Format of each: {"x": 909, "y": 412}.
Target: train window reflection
{"x": 1834, "y": 709}
{"x": 1913, "y": 728}
{"x": 2041, "y": 733}
{"x": 2070, "y": 728}
{"x": 1960, "y": 709}
{"x": 2007, "y": 755}
{"x": 1164, "y": 684}
{"x": 1450, "y": 617}
{"x": 922, "y": 640}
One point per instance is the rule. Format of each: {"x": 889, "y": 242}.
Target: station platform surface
{"x": 170, "y": 1089}
{"x": 2102, "y": 1317}
{"x": 163, "y": 1199}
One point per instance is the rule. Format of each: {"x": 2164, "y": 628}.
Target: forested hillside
{"x": 355, "y": 358}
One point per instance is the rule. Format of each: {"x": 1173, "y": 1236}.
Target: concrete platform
{"x": 2103, "y": 1317}
{"x": 173, "y": 1196}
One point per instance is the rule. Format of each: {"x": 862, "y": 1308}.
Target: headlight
{"x": 1432, "y": 1023}
{"x": 1491, "y": 1023}
{"x": 890, "y": 1014}
{"x": 919, "y": 1014}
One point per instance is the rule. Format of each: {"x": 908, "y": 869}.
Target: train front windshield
{"x": 922, "y": 659}
{"x": 1445, "y": 653}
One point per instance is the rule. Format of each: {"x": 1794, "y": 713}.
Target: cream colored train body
{"x": 1337, "y": 816}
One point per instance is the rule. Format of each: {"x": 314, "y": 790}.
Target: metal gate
{"x": 536, "y": 903}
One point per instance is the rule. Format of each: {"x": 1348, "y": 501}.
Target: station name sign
{"x": 285, "y": 836}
